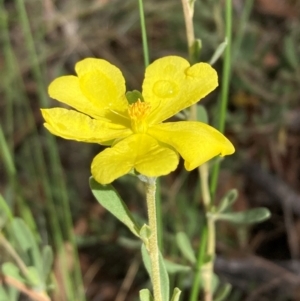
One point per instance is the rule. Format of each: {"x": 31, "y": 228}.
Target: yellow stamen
{"x": 138, "y": 112}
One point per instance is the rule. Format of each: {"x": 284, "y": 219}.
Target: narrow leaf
{"x": 251, "y": 216}
{"x": 195, "y": 48}
{"x": 228, "y": 200}
{"x": 219, "y": 51}
{"x": 176, "y": 294}
{"x": 185, "y": 247}
{"x": 108, "y": 197}
{"x": 34, "y": 278}
{"x": 4, "y": 209}
{"x": 145, "y": 233}
{"x": 164, "y": 279}
{"x": 145, "y": 295}
{"x": 223, "y": 293}
{"x": 128, "y": 243}
{"x": 202, "y": 115}
{"x": 27, "y": 242}
{"x": 290, "y": 52}
{"x": 10, "y": 269}
{"x": 47, "y": 258}
{"x": 146, "y": 260}
{"x": 215, "y": 282}
{"x": 174, "y": 268}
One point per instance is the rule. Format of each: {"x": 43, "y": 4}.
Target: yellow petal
{"x": 171, "y": 85}
{"x": 66, "y": 89}
{"x": 98, "y": 91}
{"x": 138, "y": 151}
{"x": 73, "y": 125}
{"x": 103, "y": 84}
{"x": 196, "y": 142}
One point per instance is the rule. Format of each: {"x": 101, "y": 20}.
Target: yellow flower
{"x": 135, "y": 133}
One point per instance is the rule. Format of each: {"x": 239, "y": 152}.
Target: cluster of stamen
{"x": 137, "y": 113}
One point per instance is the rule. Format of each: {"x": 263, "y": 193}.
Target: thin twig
{"x": 34, "y": 295}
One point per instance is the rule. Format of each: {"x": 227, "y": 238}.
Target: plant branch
{"x": 211, "y": 234}
{"x": 188, "y": 11}
{"x": 32, "y": 294}
{"x": 11, "y": 251}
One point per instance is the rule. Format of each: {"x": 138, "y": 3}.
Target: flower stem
{"x": 144, "y": 34}
{"x": 224, "y": 88}
{"x": 153, "y": 241}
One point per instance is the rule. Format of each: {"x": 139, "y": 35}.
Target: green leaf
{"x": 228, "y": 200}
{"x": 290, "y": 52}
{"x": 128, "y": 243}
{"x": 10, "y": 269}
{"x": 34, "y": 278}
{"x": 195, "y": 50}
{"x": 5, "y": 213}
{"x": 215, "y": 281}
{"x": 251, "y": 216}
{"x": 185, "y": 247}
{"x": 176, "y": 294}
{"x": 174, "y": 268}
{"x": 164, "y": 277}
{"x": 134, "y": 96}
{"x": 202, "y": 115}
{"x": 31, "y": 277}
{"x": 145, "y": 233}
{"x": 108, "y": 197}
{"x": 3, "y": 295}
{"x": 218, "y": 53}
{"x": 27, "y": 242}
{"x": 145, "y": 295}
{"x": 223, "y": 293}
{"x": 47, "y": 258}
{"x": 13, "y": 294}
{"x": 207, "y": 258}
{"x": 146, "y": 260}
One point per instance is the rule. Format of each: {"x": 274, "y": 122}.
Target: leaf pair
{"x": 247, "y": 217}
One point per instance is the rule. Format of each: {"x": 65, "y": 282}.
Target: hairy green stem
{"x": 153, "y": 241}
{"x": 159, "y": 215}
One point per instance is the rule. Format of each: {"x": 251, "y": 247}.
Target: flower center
{"x": 137, "y": 112}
